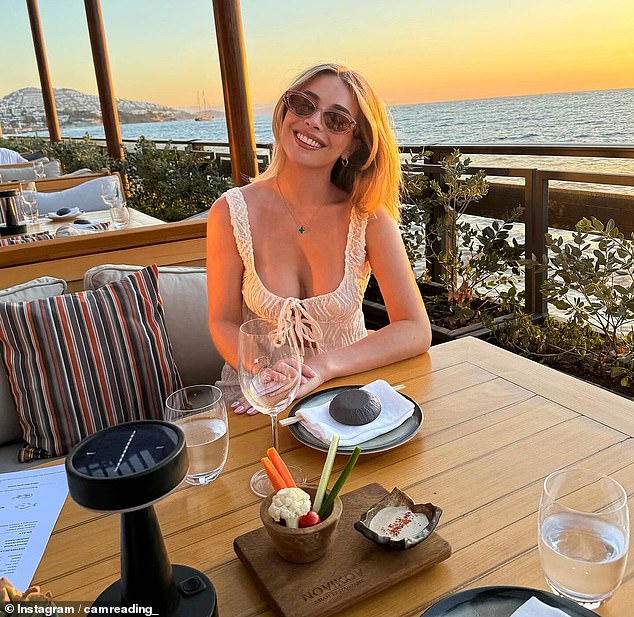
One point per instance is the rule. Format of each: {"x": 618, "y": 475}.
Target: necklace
{"x": 301, "y": 228}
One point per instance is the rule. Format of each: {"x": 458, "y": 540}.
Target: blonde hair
{"x": 372, "y": 177}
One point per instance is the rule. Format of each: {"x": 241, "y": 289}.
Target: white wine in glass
{"x": 269, "y": 371}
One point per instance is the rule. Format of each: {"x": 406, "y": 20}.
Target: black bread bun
{"x": 354, "y": 407}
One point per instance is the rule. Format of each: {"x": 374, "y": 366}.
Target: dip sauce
{"x": 398, "y": 522}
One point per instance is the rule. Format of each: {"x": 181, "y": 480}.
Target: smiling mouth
{"x": 308, "y": 141}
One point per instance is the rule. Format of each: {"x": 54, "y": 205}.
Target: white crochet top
{"x": 330, "y": 321}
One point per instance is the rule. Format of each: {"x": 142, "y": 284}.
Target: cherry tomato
{"x": 309, "y": 519}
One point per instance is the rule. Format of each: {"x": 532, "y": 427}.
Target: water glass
{"x": 201, "y": 414}
{"x": 583, "y": 535}
{"x": 28, "y": 191}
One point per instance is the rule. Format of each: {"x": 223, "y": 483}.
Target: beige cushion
{"x": 184, "y": 293}
{"x": 45, "y": 287}
{"x": 17, "y": 173}
{"x": 85, "y": 196}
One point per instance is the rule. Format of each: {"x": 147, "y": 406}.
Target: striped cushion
{"x": 80, "y": 362}
{"x": 23, "y": 239}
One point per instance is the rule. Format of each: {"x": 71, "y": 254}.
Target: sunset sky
{"x": 413, "y": 51}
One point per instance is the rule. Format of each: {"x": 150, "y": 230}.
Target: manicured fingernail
{"x": 239, "y": 409}
{"x": 252, "y": 412}
{"x": 235, "y": 403}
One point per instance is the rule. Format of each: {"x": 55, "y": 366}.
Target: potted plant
{"x": 477, "y": 261}
{"x": 592, "y": 283}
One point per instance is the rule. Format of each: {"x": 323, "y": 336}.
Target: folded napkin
{"x": 395, "y": 409}
{"x": 535, "y": 608}
{"x": 79, "y": 230}
{"x": 69, "y": 215}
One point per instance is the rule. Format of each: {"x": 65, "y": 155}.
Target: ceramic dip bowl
{"x": 397, "y": 522}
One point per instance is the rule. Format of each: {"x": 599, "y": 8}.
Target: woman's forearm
{"x": 397, "y": 341}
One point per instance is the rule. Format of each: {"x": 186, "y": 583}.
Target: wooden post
{"x": 42, "y": 67}
{"x": 107, "y": 98}
{"x": 536, "y": 220}
{"x": 235, "y": 88}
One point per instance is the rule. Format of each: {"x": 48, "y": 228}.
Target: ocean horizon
{"x": 600, "y": 117}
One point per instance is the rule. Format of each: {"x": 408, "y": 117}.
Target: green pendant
{"x": 301, "y": 230}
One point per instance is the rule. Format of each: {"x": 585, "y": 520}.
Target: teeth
{"x": 308, "y": 140}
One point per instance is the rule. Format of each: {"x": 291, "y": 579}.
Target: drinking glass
{"x": 28, "y": 191}
{"x": 269, "y": 371}
{"x": 583, "y": 535}
{"x": 112, "y": 196}
{"x": 38, "y": 168}
{"x": 201, "y": 414}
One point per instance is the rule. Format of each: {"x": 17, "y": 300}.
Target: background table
{"x": 495, "y": 426}
{"x": 137, "y": 219}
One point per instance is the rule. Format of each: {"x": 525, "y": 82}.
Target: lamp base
{"x": 12, "y": 230}
{"x": 197, "y": 596}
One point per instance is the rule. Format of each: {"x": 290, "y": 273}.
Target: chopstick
{"x": 294, "y": 419}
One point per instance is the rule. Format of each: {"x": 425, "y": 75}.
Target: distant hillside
{"x": 24, "y": 110}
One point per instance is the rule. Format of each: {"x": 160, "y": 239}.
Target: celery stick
{"x": 327, "y": 504}
{"x": 325, "y": 474}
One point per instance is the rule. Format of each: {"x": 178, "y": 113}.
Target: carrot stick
{"x": 281, "y": 467}
{"x": 272, "y": 473}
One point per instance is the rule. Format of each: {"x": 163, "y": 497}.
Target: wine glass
{"x": 269, "y": 371}
{"x": 38, "y": 169}
{"x": 583, "y": 535}
{"x": 112, "y": 196}
{"x": 28, "y": 191}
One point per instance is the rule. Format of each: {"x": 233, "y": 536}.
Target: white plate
{"x": 387, "y": 441}
{"x": 74, "y": 213}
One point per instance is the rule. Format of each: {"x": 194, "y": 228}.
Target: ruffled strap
{"x": 295, "y": 319}
{"x": 241, "y": 228}
{"x": 355, "y": 250}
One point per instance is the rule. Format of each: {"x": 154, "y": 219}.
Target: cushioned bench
{"x": 184, "y": 294}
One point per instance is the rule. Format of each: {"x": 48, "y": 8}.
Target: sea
{"x": 603, "y": 117}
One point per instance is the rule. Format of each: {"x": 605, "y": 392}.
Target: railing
{"x": 537, "y": 220}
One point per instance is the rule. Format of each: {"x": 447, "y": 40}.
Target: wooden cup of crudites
{"x": 305, "y": 544}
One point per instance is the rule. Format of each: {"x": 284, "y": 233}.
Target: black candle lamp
{"x": 11, "y": 213}
{"x": 127, "y": 468}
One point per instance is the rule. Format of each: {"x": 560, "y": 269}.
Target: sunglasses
{"x": 303, "y": 106}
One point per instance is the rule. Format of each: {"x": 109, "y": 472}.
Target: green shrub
{"x": 166, "y": 183}
{"x": 592, "y": 281}
{"x": 171, "y": 184}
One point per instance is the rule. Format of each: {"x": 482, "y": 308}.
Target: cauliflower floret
{"x": 289, "y": 504}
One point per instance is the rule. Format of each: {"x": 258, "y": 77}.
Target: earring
{"x": 344, "y": 161}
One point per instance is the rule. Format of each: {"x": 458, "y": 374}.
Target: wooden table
{"x": 495, "y": 426}
{"x": 137, "y": 219}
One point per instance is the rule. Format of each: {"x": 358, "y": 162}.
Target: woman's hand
{"x": 310, "y": 380}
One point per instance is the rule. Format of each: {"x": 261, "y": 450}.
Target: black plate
{"x": 387, "y": 441}
{"x": 500, "y": 602}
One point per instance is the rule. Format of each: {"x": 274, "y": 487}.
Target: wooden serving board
{"x": 353, "y": 568}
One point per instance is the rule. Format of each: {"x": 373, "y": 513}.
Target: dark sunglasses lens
{"x": 300, "y": 105}
{"x": 336, "y": 122}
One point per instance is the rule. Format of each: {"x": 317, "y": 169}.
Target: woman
{"x": 301, "y": 240}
